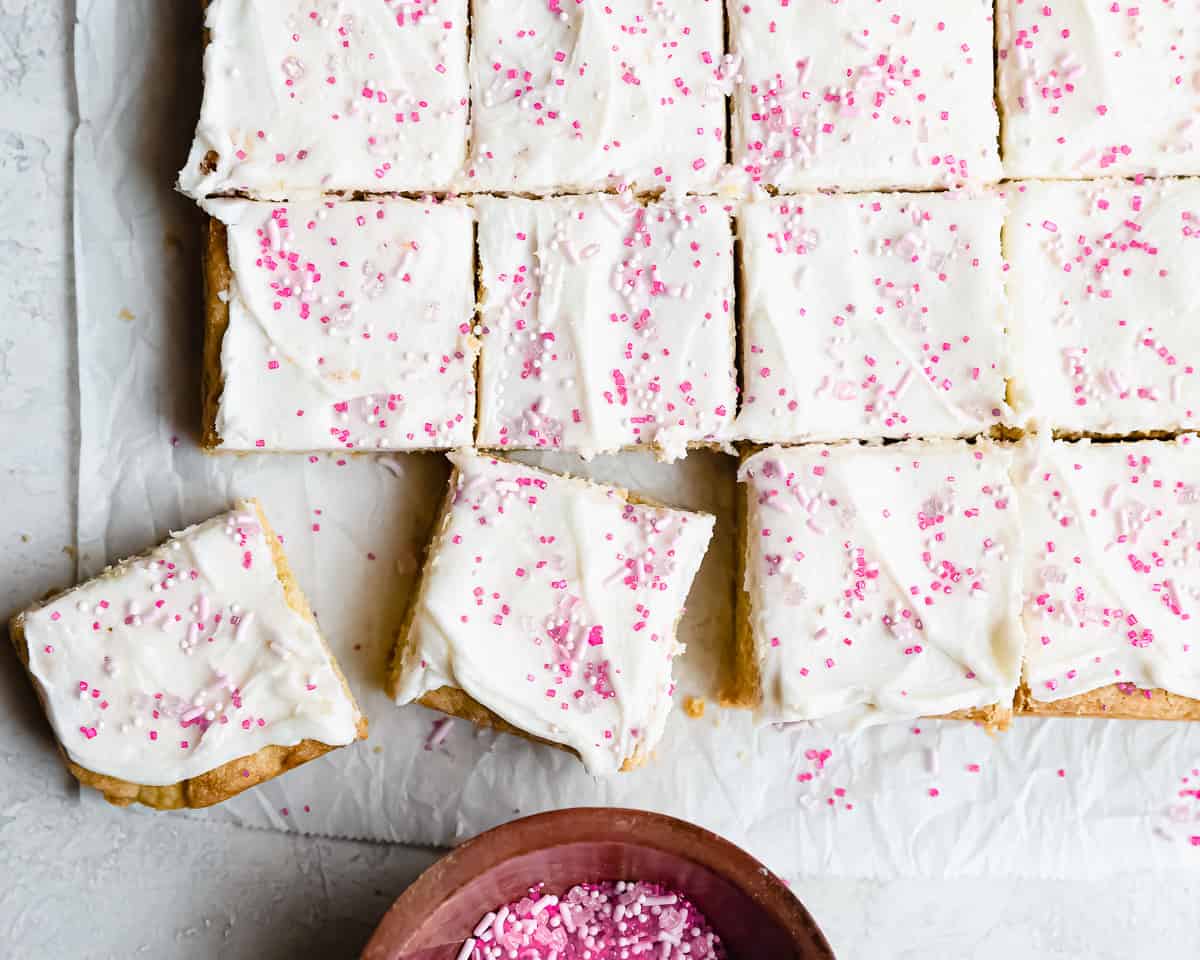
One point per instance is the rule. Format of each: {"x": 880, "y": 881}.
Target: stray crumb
{"x": 377, "y": 749}
{"x": 126, "y": 315}
{"x": 694, "y": 707}
{"x": 70, "y": 551}
{"x": 25, "y": 538}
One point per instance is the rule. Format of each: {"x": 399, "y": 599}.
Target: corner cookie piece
{"x": 339, "y": 326}
{"x": 333, "y": 96}
{"x": 549, "y": 607}
{"x": 606, "y": 324}
{"x": 185, "y": 676}
{"x": 864, "y": 96}
{"x": 1112, "y": 579}
{"x": 1089, "y": 88}
{"x": 576, "y": 96}
{"x": 1105, "y": 305}
{"x": 872, "y": 316}
{"x": 880, "y": 583}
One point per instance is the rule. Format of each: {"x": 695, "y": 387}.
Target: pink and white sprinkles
{"x": 596, "y": 921}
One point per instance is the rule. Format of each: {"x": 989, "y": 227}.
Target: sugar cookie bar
{"x": 571, "y": 97}
{"x": 1112, "y": 578}
{"x": 330, "y": 95}
{"x": 187, "y": 675}
{"x": 1088, "y": 88}
{"x": 1105, "y": 305}
{"x": 871, "y": 316}
{"x": 339, "y": 326}
{"x": 880, "y": 584}
{"x": 864, "y": 96}
{"x": 549, "y": 607}
{"x": 606, "y": 324}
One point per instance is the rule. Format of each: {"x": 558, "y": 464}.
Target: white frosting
{"x": 883, "y": 581}
{"x": 1090, "y": 87}
{"x": 170, "y": 665}
{"x": 877, "y": 315}
{"x": 331, "y": 95}
{"x": 607, "y": 324}
{"x": 864, "y": 95}
{"x": 1106, "y": 309}
{"x": 349, "y": 325}
{"x": 1111, "y": 566}
{"x": 570, "y": 95}
{"x": 553, "y": 602}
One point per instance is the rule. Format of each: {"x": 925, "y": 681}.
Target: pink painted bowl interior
{"x": 751, "y": 909}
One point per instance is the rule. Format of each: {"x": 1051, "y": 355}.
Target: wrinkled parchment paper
{"x": 1048, "y": 798}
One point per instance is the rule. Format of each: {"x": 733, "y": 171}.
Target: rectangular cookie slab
{"x": 184, "y": 676}
{"x": 607, "y": 324}
{"x": 872, "y": 316}
{"x": 1105, "y": 305}
{"x": 1112, "y": 578}
{"x": 880, "y": 584}
{"x": 339, "y": 326}
{"x": 864, "y": 95}
{"x": 549, "y": 606}
{"x": 304, "y": 95}
{"x": 1089, "y": 88}
{"x": 572, "y": 97}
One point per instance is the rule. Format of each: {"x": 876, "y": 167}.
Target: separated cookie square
{"x": 880, "y": 584}
{"x": 864, "y": 96}
{"x": 606, "y": 324}
{"x": 872, "y": 316}
{"x": 1111, "y": 578}
{"x": 339, "y": 326}
{"x": 333, "y": 96}
{"x": 548, "y": 607}
{"x": 184, "y": 676}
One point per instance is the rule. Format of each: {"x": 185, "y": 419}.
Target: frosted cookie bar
{"x": 1105, "y": 305}
{"x": 339, "y": 325}
{"x": 1090, "y": 88}
{"x": 548, "y": 607}
{"x": 606, "y": 324}
{"x": 570, "y": 96}
{"x": 185, "y": 676}
{"x": 864, "y": 96}
{"x": 880, "y": 584}
{"x": 1112, "y": 578}
{"x": 874, "y": 315}
{"x": 330, "y": 95}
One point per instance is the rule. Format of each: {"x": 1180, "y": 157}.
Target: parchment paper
{"x": 1048, "y": 798}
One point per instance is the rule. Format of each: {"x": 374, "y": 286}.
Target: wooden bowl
{"x": 750, "y": 908}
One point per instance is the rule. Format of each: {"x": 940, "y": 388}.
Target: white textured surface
{"x": 864, "y": 95}
{"x": 554, "y": 603}
{"x": 1110, "y": 565}
{"x": 1105, "y": 304}
{"x": 875, "y": 315}
{"x": 881, "y": 580}
{"x": 175, "y": 663}
{"x": 324, "y": 95}
{"x": 82, "y": 882}
{"x": 586, "y": 94}
{"x": 348, "y": 327}
{"x": 606, "y": 324}
{"x": 1090, "y": 88}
